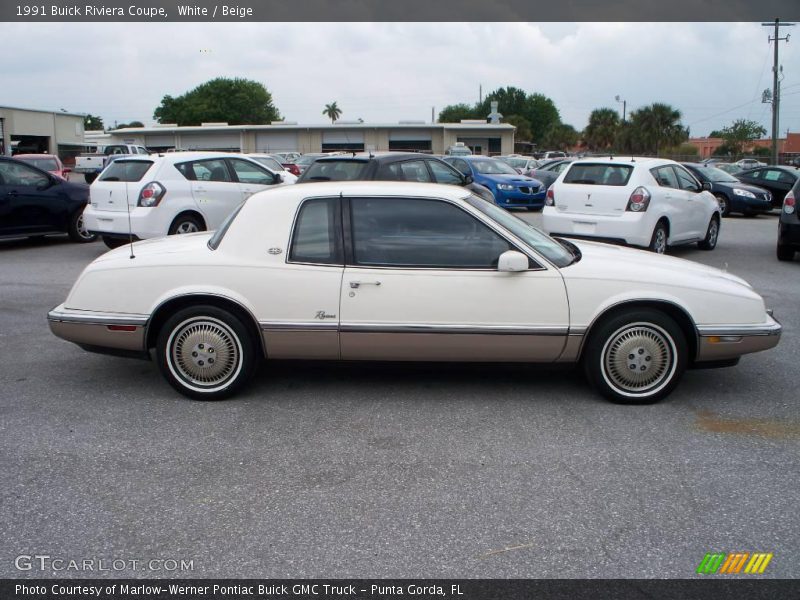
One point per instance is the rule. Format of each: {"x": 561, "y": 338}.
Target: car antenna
{"x": 130, "y": 228}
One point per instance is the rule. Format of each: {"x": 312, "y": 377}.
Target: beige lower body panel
{"x": 99, "y": 335}
{"x": 450, "y": 347}
{"x": 711, "y": 348}
{"x": 301, "y": 344}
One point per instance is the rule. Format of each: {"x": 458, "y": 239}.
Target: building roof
{"x": 53, "y": 112}
{"x": 289, "y": 127}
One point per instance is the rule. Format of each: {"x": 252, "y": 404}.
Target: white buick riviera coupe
{"x": 406, "y": 272}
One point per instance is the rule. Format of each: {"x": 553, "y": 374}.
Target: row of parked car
{"x": 644, "y": 202}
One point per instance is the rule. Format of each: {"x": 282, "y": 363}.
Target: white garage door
{"x": 160, "y": 141}
{"x": 276, "y": 141}
{"x": 410, "y": 135}
{"x": 343, "y": 137}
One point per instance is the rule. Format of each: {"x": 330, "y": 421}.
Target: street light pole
{"x": 624, "y": 106}
{"x": 776, "y": 101}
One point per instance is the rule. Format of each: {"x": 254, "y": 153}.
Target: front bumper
{"x": 519, "y": 198}
{"x": 723, "y": 342}
{"x": 114, "y": 333}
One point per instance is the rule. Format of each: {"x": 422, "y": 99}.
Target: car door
{"x": 695, "y": 205}
{"x": 778, "y": 182}
{"x": 672, "y": 202}
{"x": 444, "y": 173}
{"x": 28, "y": 202}
{"x": 252, "y": 178}
{"x": 214, "y": 190}
{"x": 421, "y": 283}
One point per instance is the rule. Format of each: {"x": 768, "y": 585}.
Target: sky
{"x": 714, "y": 73}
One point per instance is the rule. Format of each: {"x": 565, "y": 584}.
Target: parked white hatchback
{"x": 184, "y": 192}
{"x": 648, "y": 202}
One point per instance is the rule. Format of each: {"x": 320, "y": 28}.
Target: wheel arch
{"x": 676, "y": 312}
{"x": 190, "y": 212}
{"x": 170, "y": 306}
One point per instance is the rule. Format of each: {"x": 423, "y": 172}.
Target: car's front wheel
{"x": 712, "y": 234}
{"x": 636, "y": 357}
{"x": 205, "y": 353}
{"x": 724, "y": 206}
{"x": 77, "y": 229}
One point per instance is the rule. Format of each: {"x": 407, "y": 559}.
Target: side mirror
{"x": 276, "y": 178}
{"x": 707, "y": 186}
{"x": 512, "y": 261}
{"x": 468, "y": 179}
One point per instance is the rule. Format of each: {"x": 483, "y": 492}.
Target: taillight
{"x": 151, "y": 194}
{"x": 789, "y": 203}
{"x": 550, "y": 198}
{"x": 639, "y": 200}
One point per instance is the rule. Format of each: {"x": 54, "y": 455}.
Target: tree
{"x": 332, "y": 111}
{"x": 539, "y": 110}
{"x": 92, "y": 123}
{"x": 715, "y": 134}
{"x": 560, "y": 136}
{"x": 602, "y": 130}
{"x": 523, "y": 133}
{"x": 131, "y": 124}
{"x": 654, "y": 127}
{"x": 234, "y": 101}
{"x": 454, "y": 113}
{"x": 741, "y": 133}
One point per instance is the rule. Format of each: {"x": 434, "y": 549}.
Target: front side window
{"x": 248, "y": 172}
{"x": 406, "y": 232}
{"x": 444, "y": 173}
{"x": 686, "y": 181}
{"x": 17, "y": 174}
{"x": 461, "y": 165}
{"x": 268, "y": 162}
{"x": 317, "y": 233}
{"x": 665, "y": 176}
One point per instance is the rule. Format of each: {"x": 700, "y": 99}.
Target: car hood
{"x": 729, "y": 185}
{"x": 501, "y": 178}
{"x": 606, "y": 261}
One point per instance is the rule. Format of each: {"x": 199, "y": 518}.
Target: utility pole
{"x": 776, "y": 100}
{"x": 480, "y": 93}
{"x": 624, "y": 105}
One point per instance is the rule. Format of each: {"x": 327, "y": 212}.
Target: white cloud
{"x": 391, "y": 71}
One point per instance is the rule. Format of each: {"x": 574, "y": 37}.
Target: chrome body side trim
{"x": 88, "y": 317}
{"x": 453, "y": 329}
{"x": 770, "y": 328}
{"x": 298, "y": 326}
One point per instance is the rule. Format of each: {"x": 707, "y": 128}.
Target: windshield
{"x": 268, "y": 162}
{"x": 538, "y": 240}
{"x": 715, "y": 174}
{"x": 491, "y": 166}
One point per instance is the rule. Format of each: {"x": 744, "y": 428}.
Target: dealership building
{"x": 25, "y": 130}
{"x": 482, "y": 137}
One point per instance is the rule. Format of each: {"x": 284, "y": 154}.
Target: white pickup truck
{"x": 91, "y": 163}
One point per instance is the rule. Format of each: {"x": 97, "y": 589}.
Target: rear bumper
{"x": 143, "y": 223}
{"x": 629, "y": 227}
{"x": 789, "y": 233}
{"x": 114, "y": 333}
{"x": 722, "y": 342}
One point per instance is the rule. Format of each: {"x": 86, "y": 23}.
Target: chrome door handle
{"x": 357, "y": 284}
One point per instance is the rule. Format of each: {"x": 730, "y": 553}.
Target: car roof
{"x": 371, "y": 188}
{"x": 20, "y": 156}
{"x": 376, "y": 156}
{"x": 646, "y": 161}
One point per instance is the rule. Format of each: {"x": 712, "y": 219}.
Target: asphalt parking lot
{"x": 392, "y": 470}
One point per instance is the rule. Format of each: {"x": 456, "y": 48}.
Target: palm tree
{"x": 602, "y": 129}
{"x": 332, "y": 111}
{"x": 658, "y": 126}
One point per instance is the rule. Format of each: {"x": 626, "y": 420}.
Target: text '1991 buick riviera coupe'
{"x": 406, "y": 272}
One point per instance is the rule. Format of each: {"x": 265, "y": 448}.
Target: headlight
{"x": 506, "y": 187}
{"x": 743, "y": 193}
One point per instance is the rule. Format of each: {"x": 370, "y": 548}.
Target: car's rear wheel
{"x": 658, "y": 242}
{"x": 785, "y": 252}
{"x": 186, "y": 224}
{"x": 89, "y": 177}
{"x": 724, "y": 207}
{"x": 205, "y": 353}
{"x": 712, "y": 234}
{"x": 77, "y": 229}
{"x": 636, "y": 357}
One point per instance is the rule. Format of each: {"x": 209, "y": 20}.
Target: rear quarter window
{"x": 599, "y": 174}
{"x": 126, "y": 170}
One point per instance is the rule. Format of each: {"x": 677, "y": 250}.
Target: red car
{"x": 46, "y": 162}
